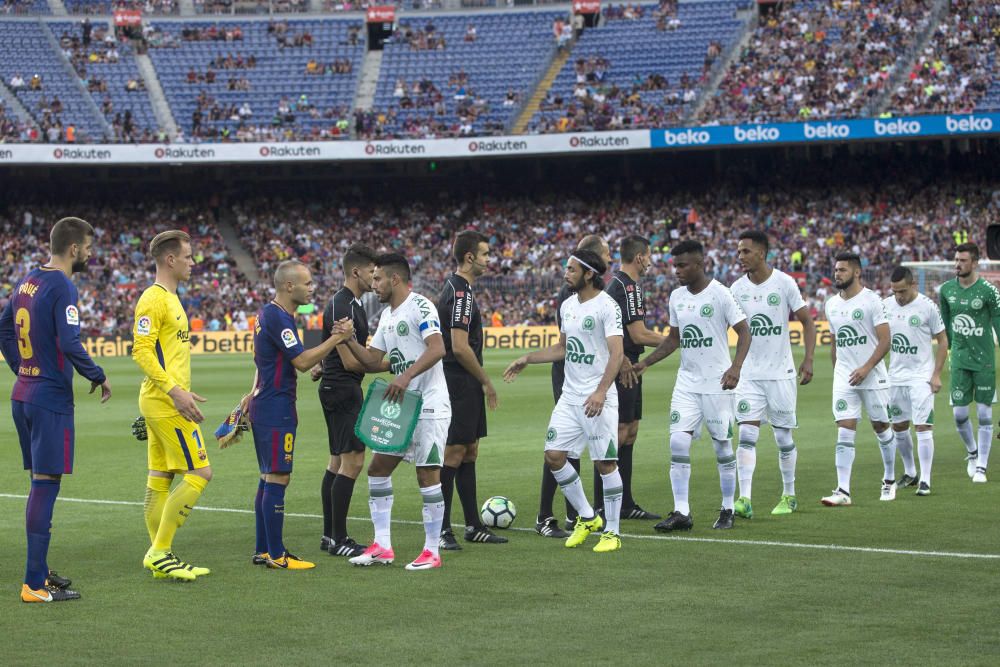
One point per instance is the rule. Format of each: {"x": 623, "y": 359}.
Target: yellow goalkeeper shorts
{"x": 175, "y": 444}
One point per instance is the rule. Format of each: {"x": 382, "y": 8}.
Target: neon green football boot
{"x": 743, "y": 508}
{"x": 582, "y": 529}
{"x": 786, "y": 505}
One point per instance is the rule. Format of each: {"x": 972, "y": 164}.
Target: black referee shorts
{"x": 341, "y": 406}
{"x": 468, "y": 408}
{"x": 629, "y": 402}
{"x": 558, "y": 377}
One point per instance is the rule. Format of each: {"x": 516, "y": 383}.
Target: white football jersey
{"x": 587, "y": 327}
{"x": 400, "y": 334}
{"x": 704, "y": 320}
{"x": 852, "y": 323}
{"x": 913, "y": 327}
{"x": 768, "y": 306}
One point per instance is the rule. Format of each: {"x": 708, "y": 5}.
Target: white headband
{"x": 584, "y": 264}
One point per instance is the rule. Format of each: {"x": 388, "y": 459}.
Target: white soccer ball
{"x": 498, "y": 512}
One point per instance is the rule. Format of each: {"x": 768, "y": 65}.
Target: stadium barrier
{"x": 494, "y": 338}
{"x": 205, "y": 342}
{"x": 869, "y": 129}
{"x": 533, "y": 337}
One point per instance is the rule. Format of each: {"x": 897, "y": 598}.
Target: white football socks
{"x": 612, "y": 500}
{"x": 845, "y": 457}
{"x": 726, "y": 462}
{"x": 985, "y": 414}
{"x": 904, "y": 445}
{"x": 746, "y": 457}
{"x": 887, "y": 445}
{"x": 433, "y": 515}
{"x": 380, "y": 505}
{"x": 680, "y": 470}
{"x": 964, "y": 427}
{"x": 787, "y": 457}
{"x": 572, "y": 488}
{"x": 925, "y": 452}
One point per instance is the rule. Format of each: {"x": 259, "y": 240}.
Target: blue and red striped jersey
{"x": 39, "y": 333}
{"x": 275, "y": 343}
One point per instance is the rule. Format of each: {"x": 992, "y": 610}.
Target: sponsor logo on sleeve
{"x": 72, "y": 315}
{"x": 142, "y": 325}
{"x": 288, "y": 338}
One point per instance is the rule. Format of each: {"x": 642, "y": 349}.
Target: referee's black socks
{"x": 465, "y": 481}
{"x": 447, "y": 490}
{"x": 326, "y": 493}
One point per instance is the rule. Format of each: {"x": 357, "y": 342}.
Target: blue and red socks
{"x": 38, "y": 526}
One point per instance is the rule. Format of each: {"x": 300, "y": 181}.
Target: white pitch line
{"x": 662, "y": 538}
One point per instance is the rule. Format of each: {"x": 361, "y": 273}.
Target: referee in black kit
{"x": 469, "y": 387}
{"x": 341, "y": 398}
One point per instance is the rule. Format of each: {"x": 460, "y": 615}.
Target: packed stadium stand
{"x": 459, "y": 75}
{"x": 260, "y": 80}
{"x": 640, "y": 69}
{"x": 817, "y": 59}
{"x": 954, "y": 72}
{"x": 888, "y": 208}
{"x": 218, "y": 294}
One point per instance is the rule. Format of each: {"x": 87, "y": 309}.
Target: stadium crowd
{"x": 817, "y": 60}
{"x": 956, "y": 68}
{"x": 886, "y": 223}
{"x": 218, "y": 296}
{"x": 887, "y": 218}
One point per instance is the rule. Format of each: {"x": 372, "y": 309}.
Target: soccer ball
{"x": 498, "y": 512}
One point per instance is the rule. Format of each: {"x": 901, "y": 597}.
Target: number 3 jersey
{"x": 703, "y": 320}
{"x": 852, "y": 323}
{"x": 587, "y": 327}
{"x": 401, "y": 334}
{"x": 39, "y": 334}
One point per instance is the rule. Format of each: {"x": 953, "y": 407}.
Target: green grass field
{"x": 823, "y": 586}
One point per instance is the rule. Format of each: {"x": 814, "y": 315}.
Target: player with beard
{"x": 970, "y": 308}
{"x": 546, "y": 524}
{"x": 39, "y": 329}
{"x": 410, "y": 334}
{"x": 861, "y": 334}
{"x": 586, "y": 416}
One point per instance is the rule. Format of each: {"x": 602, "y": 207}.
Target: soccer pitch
{"x": 914, "y": 580}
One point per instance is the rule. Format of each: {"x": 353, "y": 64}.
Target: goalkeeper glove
{"x": 139, "y": 428}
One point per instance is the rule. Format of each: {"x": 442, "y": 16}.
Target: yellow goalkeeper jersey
{"x": 162, "y": 349}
